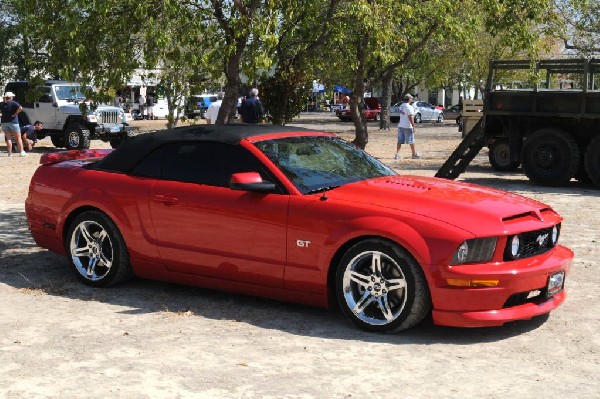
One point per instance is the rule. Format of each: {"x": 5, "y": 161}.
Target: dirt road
{"x": 60, "y": 339}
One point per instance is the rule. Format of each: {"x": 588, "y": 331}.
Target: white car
{"x": 423, "y": 112}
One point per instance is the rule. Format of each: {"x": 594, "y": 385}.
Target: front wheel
{"x": 440, "y": 118}
{"x": 97, "y": 250}
{"x": 381, "y": 288}
{"x": 499, "y": 156}
{"x": 57, "y": 140}
{"x": 77, "y": 137}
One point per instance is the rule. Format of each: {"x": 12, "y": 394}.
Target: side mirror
{"x": 250, "y": 181}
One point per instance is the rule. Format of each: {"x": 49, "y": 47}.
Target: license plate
{"x": 556, "y": 283}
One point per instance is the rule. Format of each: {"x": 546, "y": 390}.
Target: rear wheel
{"x": 499, "y": 156}
{"x": 550, "y": 157}
{"x": 97, "y": 251}
{"x": 77, "y": 137}
{"x": 592, "y": 161}
{"x": 380, "y": 287}
{"x": 417, "y": 118}
{"x": 440, "y": 118}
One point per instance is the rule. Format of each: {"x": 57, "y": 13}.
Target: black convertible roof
{"x": 128, "y": 154}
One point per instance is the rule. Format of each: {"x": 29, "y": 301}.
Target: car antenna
{"x": 323, "y": 197}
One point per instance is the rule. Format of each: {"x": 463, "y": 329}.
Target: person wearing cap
{"x": 406, "y": 127}
{"x": 10, "y": 122}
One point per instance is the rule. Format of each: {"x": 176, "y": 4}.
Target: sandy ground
{"x": 146, "y": 339}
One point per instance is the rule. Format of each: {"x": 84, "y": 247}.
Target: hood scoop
{"x": 410, "y": 185}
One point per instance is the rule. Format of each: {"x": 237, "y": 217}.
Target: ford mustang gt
{"x": 301, "y": 216}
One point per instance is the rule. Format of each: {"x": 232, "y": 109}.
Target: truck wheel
{"x": 550, "y": 157}
{"x": 499, "y": 156}
{"x": 592, "y": 161}
{"x": 58, "y": 140}
{"x": 77, "y": 137}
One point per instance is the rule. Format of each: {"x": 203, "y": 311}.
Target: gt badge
{"x": 302, "y": 243}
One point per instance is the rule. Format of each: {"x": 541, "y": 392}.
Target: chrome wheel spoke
{"x": 363, "y": 302}
{"x": 376, "y": 264}
{"x": 396, "y": 284}
{"x": 83, "y": 251}
{"x": 358, "y": 278}
{"x": 86, "y": 234}
{"x": 91, "y": 268}
{"x": 384, "y": 306}
{"x": 105, "y": 261}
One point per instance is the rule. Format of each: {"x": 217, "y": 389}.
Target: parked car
{"x": 453, "y": 112}
{"x": 196, "y": 105}
{"x": 302, "y": 216}
{"x": 372, "y": 110}
{"x": 423, "y": 112}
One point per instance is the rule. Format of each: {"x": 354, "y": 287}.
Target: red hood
{"x": 473, "y": 208}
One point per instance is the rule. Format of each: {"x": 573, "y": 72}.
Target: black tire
{"x": 440, "y": 118}
{"x": 499, "y": 156}
{"x": 417, "y": 118}
{"x": 550, "y": 157}
{"x": 96, "y": 250}
{"x": 76, "y": 137}
{"x": 592, "y": 161}
{"x": 386, "y": 279}
{"x": 58, "y": 140}
{"x": 117, "y": 141}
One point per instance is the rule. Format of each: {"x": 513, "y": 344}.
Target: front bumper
{"x": 508, "y": 301}
{"x": 116, "y": 130}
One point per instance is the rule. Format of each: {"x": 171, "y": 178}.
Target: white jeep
{"x": 58, "y": 105}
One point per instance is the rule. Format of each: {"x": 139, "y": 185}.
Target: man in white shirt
{"x": 213, "y": 110}
{"x": 406, "y": 127}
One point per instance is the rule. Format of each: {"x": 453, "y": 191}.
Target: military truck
{"x": 550, "y": 127}
{"x": 58, "y": 105}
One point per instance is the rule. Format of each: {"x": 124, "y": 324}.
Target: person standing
{"x": 10, "y": 122}
{"x": 213, "y": 110}
{"x": 406, "y": 127}
{"x": 141, "y": 105}
{"x": 150, "y": 106}
{"x": 29, "y": 134}
{"x": 251, "y": 110}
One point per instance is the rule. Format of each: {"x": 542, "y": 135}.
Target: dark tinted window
{"x": 200, "y": 162}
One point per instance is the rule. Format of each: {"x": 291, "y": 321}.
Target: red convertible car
{"x": 301, "y": 216}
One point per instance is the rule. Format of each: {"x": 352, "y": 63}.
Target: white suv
{"x": 59, "y": 105}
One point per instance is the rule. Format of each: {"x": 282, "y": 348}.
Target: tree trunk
{"x": 356, "y": 98}
{"x": 386, "y": 82}
{"x": 228, "y": 109}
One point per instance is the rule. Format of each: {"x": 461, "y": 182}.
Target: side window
{"x": 199, "y": 162}
{"x": 44, "y": 94}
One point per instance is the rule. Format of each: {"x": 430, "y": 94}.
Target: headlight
{"x": 555, "y": 234}
{"x": 475, "y": 250}
{"x": 515, "y": 246}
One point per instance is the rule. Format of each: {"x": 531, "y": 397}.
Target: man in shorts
{"x": 10, "y": 122}
{"x": 29, "y": 134}
{"x": 406, "y": 127}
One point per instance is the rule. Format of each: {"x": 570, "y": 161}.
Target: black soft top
{"x": 131, "y": 152}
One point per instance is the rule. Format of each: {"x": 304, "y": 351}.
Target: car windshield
{"x": 69, "y": 92}
{"x": 317, "y": 163}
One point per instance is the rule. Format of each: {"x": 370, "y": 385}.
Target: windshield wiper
{"x": 322, "y": 189}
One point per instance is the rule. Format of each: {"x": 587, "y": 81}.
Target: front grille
{"x": 108, "y": 117}
{"x": 532, "y": 243}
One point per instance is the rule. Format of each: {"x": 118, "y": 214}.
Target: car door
{"x": 45, "y": 108}
{"x": 205, "y": 228}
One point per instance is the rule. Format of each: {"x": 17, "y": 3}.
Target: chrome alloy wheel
{"x": 73, "y": 139}
{"x": 375, "y": 288}
{"x": 91, "y": 250}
